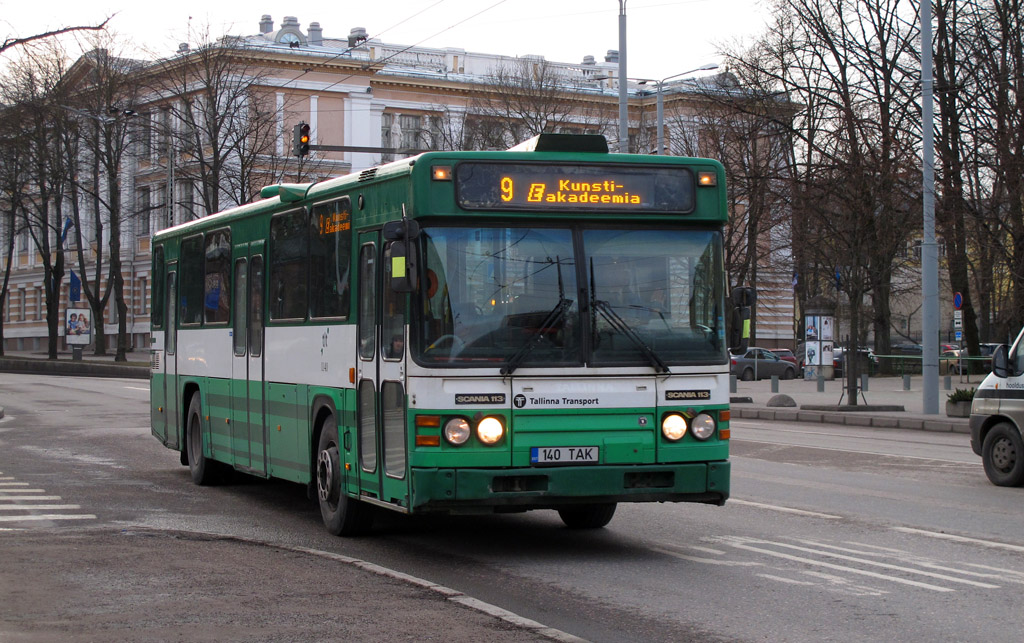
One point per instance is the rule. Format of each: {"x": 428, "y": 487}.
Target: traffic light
{"x": 300, "y": 139}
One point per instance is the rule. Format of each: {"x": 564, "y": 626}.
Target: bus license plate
{"x": 563, "y": 455}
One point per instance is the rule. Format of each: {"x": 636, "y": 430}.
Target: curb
{"x": 852, "y": 419}
{"x": 448, "y": 593}
{"x": 85, "y": 368}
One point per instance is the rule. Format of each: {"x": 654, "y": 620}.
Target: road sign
{"x": 959, "y": 335}
{"x": 958, "y": 319}
{"x": 958, "y": 301}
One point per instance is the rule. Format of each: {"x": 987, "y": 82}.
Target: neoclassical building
{"x": 366, "y": 102}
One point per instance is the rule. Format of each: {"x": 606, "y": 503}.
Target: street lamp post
{"x": 623, "y": 84}
{"x": 661, "y": 106}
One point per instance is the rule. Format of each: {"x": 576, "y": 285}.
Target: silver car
{"x": 761, "y": 363}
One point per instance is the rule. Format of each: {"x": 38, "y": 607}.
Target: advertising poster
{"x": 77, "y": 329}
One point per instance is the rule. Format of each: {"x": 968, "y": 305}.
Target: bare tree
{"x": 521, "y": 99}
{"x": 13, "y": 188}
{"x": 214, "y": 124}
{"x": 36, "y": 91}
{"x": 749, "y": 133}
{"x": 105, "y": 93}
{"x": 847, "y": 62}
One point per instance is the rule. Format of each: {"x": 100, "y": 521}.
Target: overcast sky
{"x": 664, "y": 37}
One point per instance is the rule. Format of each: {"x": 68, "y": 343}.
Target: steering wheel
{"x": 456, "y": 343}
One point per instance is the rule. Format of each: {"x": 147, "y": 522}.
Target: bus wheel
{"x": 1003, "y": 456}
{"x": 587, "y": 516}
{"x": 204, "y": 471}
{"x": 342, "y": 515}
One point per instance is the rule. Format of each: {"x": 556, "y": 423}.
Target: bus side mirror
{"x": 401, "y": 255}
{"x": 1001, "y": 361}
{"x": 743, "y": 300}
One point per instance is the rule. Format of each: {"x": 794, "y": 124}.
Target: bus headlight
{"x": 456, "y": 431}
{"x": 490, "y": 430}
{"x": 703, "y": 426}
{"x": 673, "y": 426}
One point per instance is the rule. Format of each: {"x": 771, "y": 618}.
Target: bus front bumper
{"x": 450, "y": 490}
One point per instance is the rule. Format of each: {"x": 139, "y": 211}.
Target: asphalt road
{"x": 832, "y": 534}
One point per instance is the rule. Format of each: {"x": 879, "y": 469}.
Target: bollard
{"x": 863, "y": 381}
{"x": 947, "y": 383}
{"x": 775, "y": 383}
{"x": 821, "y": 383}
{"x": 906, "y": 382}
{"x": 732, "y": 383}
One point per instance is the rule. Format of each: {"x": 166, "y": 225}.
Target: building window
{"x": 144, "y": 206}
{"x": 22, "y": 297}
{"x": 39, "y": 302}
{"x": 387, "y": 122}
{"x": 143, "y": 306}
{"x": 413, "y": 134}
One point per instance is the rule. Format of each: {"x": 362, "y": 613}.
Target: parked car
{"x": 868, "y": 360}
{"x": 761, "y": 363}
{"x": 786, "y": 354}
{"x": 949, "y": 362}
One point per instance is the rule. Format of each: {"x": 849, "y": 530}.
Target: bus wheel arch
{"x": 191, "y": 390}
{"x": 342, "y": 516}
{"x": 205, "y": 471}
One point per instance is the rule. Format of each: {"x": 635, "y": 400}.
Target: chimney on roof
{"x": 316, "y": 34}
{"x": 612, "y": 56}
{"x": 183, "y": 48}
{"x": 290, "y": 21}
{"x": 589, "y": 60}
{"x": 357, "y": 36}
{"x": 266, "y": 23}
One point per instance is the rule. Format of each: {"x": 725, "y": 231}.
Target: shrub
{"x": 961, "y": 395}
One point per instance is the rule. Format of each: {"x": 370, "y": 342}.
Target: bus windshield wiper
{"x": 553, "y": 317}
{"x": 605, "y": 309}
{"x": 616, "y": 322}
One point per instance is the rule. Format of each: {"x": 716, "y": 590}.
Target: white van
{"x": 997, "y": 416}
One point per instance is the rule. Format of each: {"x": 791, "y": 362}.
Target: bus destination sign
{"x": 548, "y": 186}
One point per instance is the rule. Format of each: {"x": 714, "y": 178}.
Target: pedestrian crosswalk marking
{"x": 19, "y": 504}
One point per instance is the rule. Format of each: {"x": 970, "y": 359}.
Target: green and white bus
{"x": 539, "y": 328}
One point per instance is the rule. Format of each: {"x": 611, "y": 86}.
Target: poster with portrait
{"x": 77, "y": 328}
{"x": 811, "y": 328}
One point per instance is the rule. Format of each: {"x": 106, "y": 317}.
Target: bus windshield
{"x": 511, "y": 296}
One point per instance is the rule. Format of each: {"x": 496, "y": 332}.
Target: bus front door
{"x": 248, "y": 428}
{"x": 380, "y": 388}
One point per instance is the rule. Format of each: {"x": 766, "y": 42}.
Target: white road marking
{"x": 137, "y": 388}
{"x": 37, "y": 507}
{"x": 875, "y": 563}
{"x": 841, "y": 568}
{"x": 22, "y": 490}
{"x": 48, "y": 517}
{"x": 708, "y": 561}
{"x": 791, "y": 581}
{"x": 12, "y": 484}
{"x": 960, "y": 539}
{"x": 5, "y": 498}
{"x": 789, "y": 510}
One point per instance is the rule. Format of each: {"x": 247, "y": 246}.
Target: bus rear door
{"x": 248, "y": 427}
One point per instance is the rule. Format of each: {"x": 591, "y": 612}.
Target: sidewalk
{"x": 751, "y": 401}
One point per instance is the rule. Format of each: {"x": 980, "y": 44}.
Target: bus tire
{"x": 1002, "y": 453}
{"x": 587, "y": 516}
{"x": 204, "y": 471}
{"x": 342, "y": 516}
